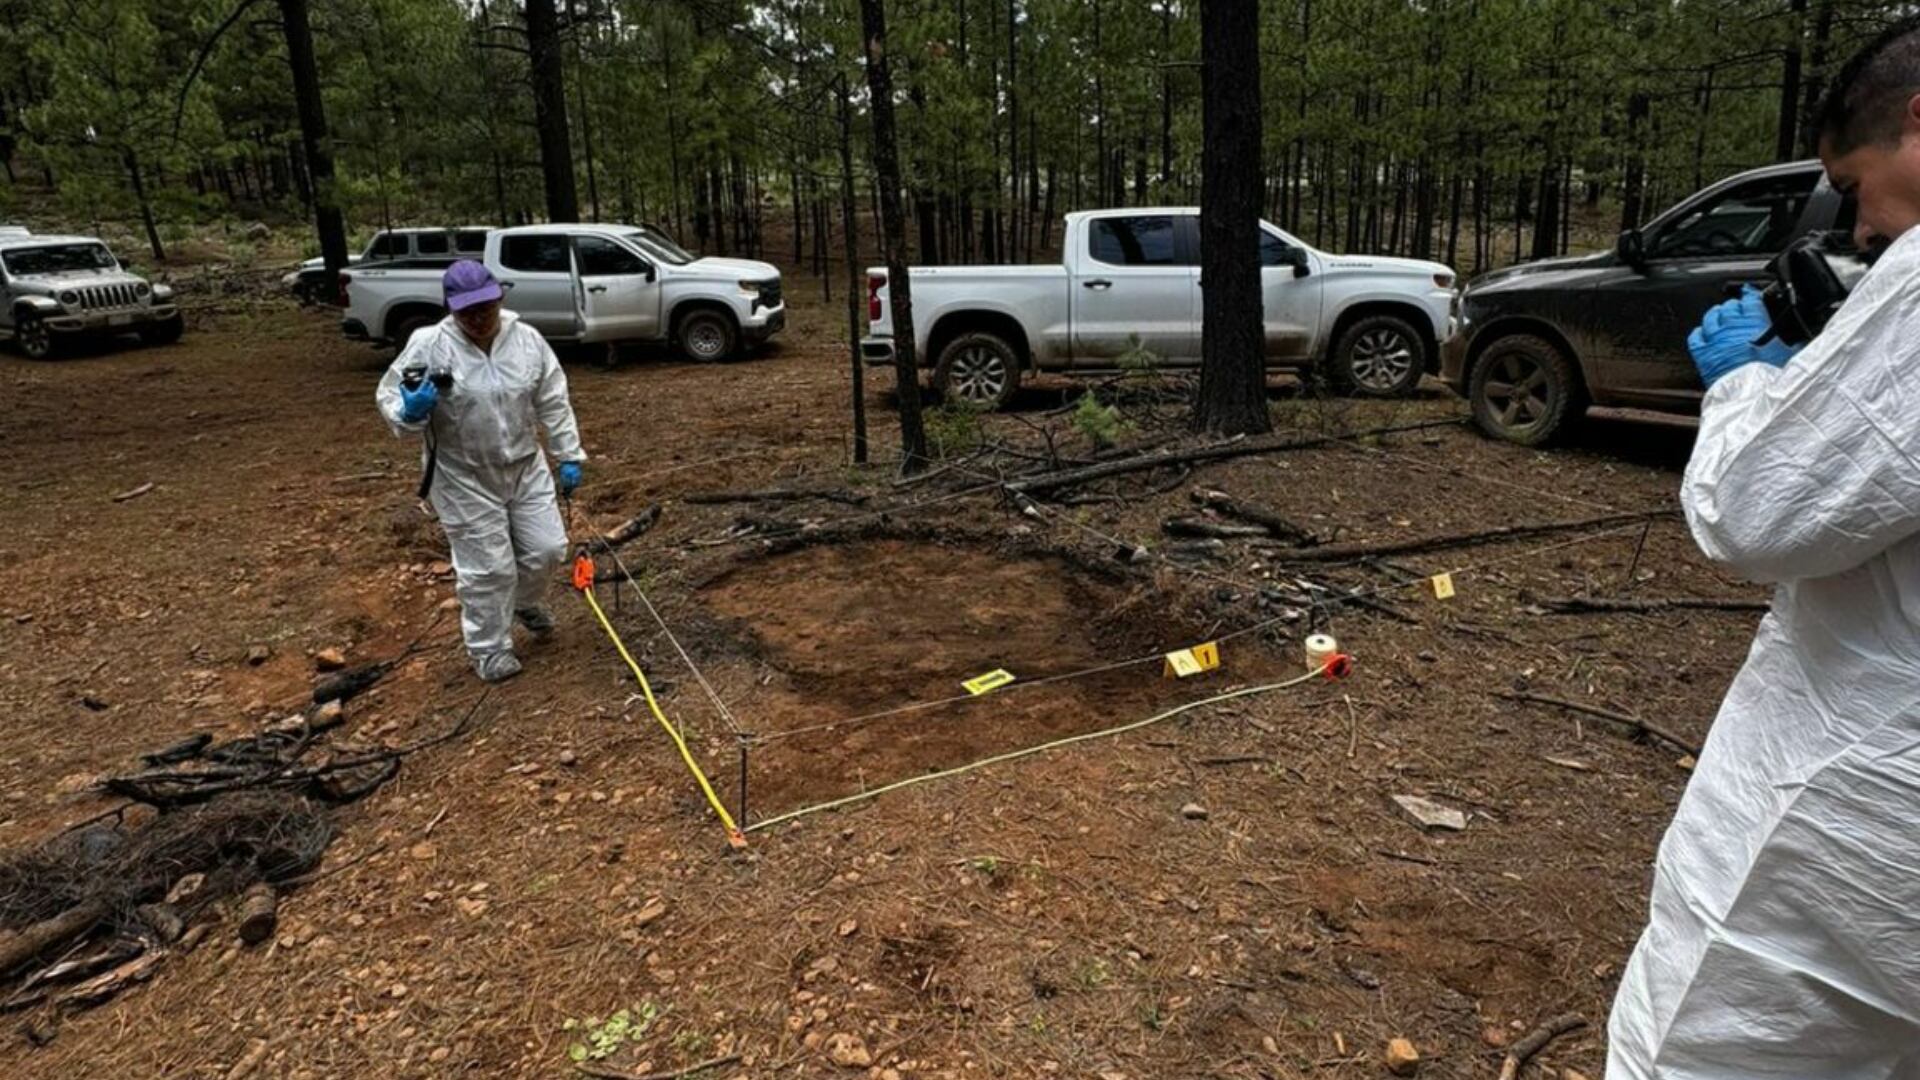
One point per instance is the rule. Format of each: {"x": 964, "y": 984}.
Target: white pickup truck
{"x": 586, "y": 284}
{"x": 1371, "y": 324}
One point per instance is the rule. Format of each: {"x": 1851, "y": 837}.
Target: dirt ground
{"x": 1065, "y": 914}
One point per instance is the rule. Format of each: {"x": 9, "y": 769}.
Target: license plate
{"x": 121, "y": 319}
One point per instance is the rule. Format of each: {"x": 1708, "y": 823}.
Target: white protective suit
{"x": 1784, "y": 937}
{"x": 492, "y": 491}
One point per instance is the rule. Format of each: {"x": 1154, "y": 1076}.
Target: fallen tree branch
{"x": 626, "y": 532}
{"x": 608, "y": 1072}
{"x": 1198, "y": 527}
{"x": 48, "y": 934}
{"x": 1213, "y": 452}
{"x": 1354, "y": 552}
{"x": 775, "y": 495}
{"x": 1278, "y": 526}
{"x": 1519, "y": 1053}
{"x": 1586, "y": 605}
{"x": 1639, "y": 726}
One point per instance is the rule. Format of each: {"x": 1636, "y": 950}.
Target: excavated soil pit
{"x": 845, "y": 630}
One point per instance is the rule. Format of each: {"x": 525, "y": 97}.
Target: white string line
{"x": 961, "y": 699}
{"x": 1337, "y": 597}
{"x": 726, "y": 715}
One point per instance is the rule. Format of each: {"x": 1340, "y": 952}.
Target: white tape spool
{"x": 1320, "y": 649}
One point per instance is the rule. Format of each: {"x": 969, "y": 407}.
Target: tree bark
{"x": 852, "y": 243}
{"x": 327, "y": 219}
{"x": 1232, "y": 394}
{"x": 886, "y": 165}
{"x": 146, "y": 205}
{"x": 548, "y": 77}
{"x": 1787, "y": 120}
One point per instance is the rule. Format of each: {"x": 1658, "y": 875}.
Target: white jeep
{"x": 57, "y": 288}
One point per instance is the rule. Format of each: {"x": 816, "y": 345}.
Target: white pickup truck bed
{"x": 1375, "y": 325}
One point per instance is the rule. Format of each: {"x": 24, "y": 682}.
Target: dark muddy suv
{"x": 1539, "y": 342}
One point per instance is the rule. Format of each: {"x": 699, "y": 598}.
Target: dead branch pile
{"x": 233, "y": 841}
{"x": 275, "y": 759}
{"x": 96, "y": 910}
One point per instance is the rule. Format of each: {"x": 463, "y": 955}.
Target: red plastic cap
{"x": 1339, "y": 666}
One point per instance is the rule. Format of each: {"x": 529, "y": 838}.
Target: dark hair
{"x": 1868, "y": 99}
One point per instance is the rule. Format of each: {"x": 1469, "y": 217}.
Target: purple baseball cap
{"x": 467, "y": 283}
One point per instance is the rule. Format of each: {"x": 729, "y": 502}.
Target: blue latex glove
{"x": 417, "y": 405}
{"x": 569, "y": 476}
{"x": 1724, "y": 339}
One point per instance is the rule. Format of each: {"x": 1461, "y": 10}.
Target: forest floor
{"x": 1229, "y": 893}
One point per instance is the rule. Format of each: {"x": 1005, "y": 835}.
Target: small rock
{"x": 813, "y": 1040}
{"x": 423, "y": 850}
{"x": 1428, "y": 655}
{"x": 1495, "y": 1036}
{"x": 257, "y": 232}
{"x": 440, "y": 569}
{"x": 651, "y": 912}
{"x": 1268, "y": 1044}
{"x": 472, "y": 909}
{"x": 849, "y": 927}
{"x": 1687, "y": 762}
{"x": 329, "y": 659}
{"x": 440, "y": 1054}
{"x": 450, "y": 604}
{"x": 1429, "y": 814}
{"x": 1402, "y": 1058}
{"x": 1193, "y": 811}
{"x": 257, "y": 655}
{"x": 848, "y": 1051}
{"x": 568, "y": 757}
{"x": 186, "y": 889}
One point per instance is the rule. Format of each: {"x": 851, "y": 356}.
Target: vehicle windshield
{"x": 659, "y": 245}
{"x": 58, "y": 259}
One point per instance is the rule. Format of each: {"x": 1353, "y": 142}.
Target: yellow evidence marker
{"x": 1184, "y": 662}
{"x": 992, "y": 680}
{"x": 1443, "y": 586}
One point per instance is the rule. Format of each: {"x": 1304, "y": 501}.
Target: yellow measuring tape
{"x": 583, "y": 574}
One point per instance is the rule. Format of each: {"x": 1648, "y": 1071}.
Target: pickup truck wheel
{"x": 1380, "y": 356}
{"x": 980, "y": 369}
{"x": 1525, "y": 390}
{"x": 35, "y": 339}
{"x": 164, "y": 333}
{"x": 404, "y": 330}
{"x": 707, "y": 336}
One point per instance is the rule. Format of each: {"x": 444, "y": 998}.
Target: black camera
{"x": 1811, "y": 279}
{"x": 415, "y": 374}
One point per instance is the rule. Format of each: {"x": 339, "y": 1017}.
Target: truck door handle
{"x": 1097, "y": 283}
{"x": 596, "y": 288}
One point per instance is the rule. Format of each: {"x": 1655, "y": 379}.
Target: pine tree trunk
{"x": 548, "y": 76}
{"x": 1232, "y": 395}
{"x": 146, "y": 205}
{"x": 1787, "y": 120}
{"x": 328, "y": 221}
{"x": 893, "y": 231}
{"x": 1814, "y": 79}
{"x": 850, "y": 233}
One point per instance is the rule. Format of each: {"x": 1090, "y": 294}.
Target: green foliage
{"x": 953, "y": 429}
{"x": 597, "y": 1039}
{"x": 1101, "y": 425}
{"x": 1389, "y": 125}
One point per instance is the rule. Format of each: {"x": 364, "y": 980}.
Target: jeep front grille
{"x": 108, "y": 296}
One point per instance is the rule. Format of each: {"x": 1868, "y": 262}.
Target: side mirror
{"x": 1296, "y": 258}
{"x": 1632, "y": 249}
{"x": 652, "y": 274}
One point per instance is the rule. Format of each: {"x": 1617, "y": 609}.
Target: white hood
{"x": 719, "y": 269}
